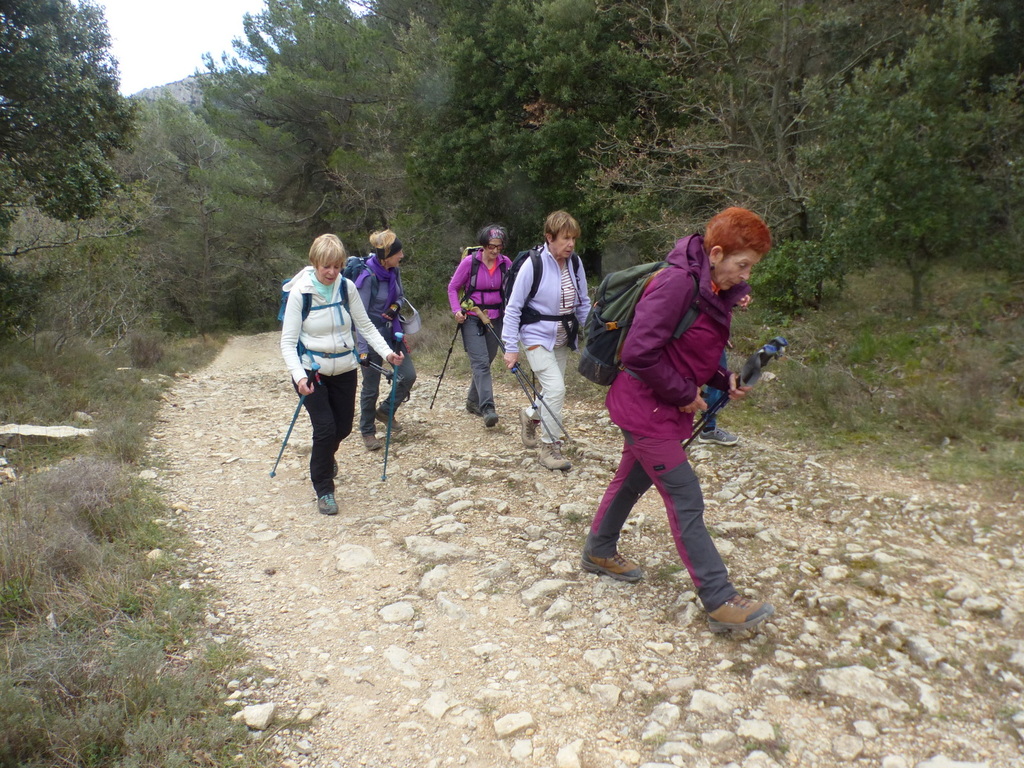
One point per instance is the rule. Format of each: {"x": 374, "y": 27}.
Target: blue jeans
{"x": 712, "y": 396}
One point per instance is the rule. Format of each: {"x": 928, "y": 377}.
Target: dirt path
{"x": 441, "y": 618}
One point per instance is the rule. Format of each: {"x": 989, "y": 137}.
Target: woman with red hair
{"x": 655, "y": 400}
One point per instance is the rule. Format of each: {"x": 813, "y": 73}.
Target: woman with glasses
{"x": 475, "y": 291}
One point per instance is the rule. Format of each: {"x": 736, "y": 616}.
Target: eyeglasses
{"x": 493, "y": 246}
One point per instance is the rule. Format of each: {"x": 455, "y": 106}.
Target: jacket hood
{"x": 301, "y": 282}
{"x": 689, "y": 254}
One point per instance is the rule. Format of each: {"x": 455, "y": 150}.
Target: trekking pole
{"x": 537, "y": 398}
{"x": 302, "y": 398}
{"x": 440, "y": 376}
{"x": 750, "y": 374}
{"x": 367, "y": 363}
{"x": 391, "y": 407}
{"x": 468, "y": 305}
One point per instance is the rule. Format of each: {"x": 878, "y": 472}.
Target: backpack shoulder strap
{"x": 307, "y": 304}
{"x": 473, "y": 272}
{"x": 691, "y": 313}
{"x": 537, "y": 269}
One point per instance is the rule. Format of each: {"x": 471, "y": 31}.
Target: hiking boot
{"x": 550, "y": 456}
{"x": 473, "y": 408}
{"x": 718, "y": 436}
{"x": 615, "y": 566}
{"x": 529, "y": 430}
{"x": 738, "y": 613}
{"x": 490, "y": 416}
{"x": 382, "y": 416}
{"x": 327, "y": 505}
{"x": 372, "y": 442}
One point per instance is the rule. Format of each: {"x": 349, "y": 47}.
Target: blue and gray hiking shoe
{"x": 327, "y": 505}
{"x": 718, "y": 436}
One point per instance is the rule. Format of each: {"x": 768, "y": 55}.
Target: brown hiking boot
{"x": 381, "y": 414}
{"x": 529, "y": 430}
{"x": 738, "y": 613}
{"x": 372, "y": 442}
{"x": 550, "y": 456}
{"x": 615, "y": 566}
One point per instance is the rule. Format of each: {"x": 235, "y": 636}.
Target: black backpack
{"x": 611, "y": 316}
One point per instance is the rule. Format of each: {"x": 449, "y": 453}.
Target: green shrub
{"x": 146, "y": 350}
{"x": 88, "y": 624}
{"x": 796, "y": 275}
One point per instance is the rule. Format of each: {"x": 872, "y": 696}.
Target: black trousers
{"x": 331, "y": 409}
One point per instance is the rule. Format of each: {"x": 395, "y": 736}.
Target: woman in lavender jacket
{"x": 653, "y": 401}
{"x": 548, "y": 325}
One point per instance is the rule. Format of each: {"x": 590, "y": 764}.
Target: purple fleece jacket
{"x": 488, "y": 284}
{"x": 665, "y": 373}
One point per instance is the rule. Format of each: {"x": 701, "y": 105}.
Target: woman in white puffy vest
{"x": 319, "y": 348}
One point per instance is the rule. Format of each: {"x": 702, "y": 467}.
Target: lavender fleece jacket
{"x": 549, "y": 294}
{"x": 665, "y": 373}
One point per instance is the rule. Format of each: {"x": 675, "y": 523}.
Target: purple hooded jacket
{"x": 664, "y": 373}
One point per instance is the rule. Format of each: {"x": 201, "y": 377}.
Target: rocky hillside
{"x": 442, "y": 619}
{"x": 188, "y": 92}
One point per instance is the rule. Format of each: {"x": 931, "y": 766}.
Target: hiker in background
{"x": 318, "y": 347}
{"x": 711, "y": 432}
{"x": 547, "y": 325}
{"x": 479, "y": 277}
{"x": 381, "y": 292}
{"x": 655, "y": 402}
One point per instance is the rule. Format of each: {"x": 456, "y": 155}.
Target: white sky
{"x": 159, "y": 41}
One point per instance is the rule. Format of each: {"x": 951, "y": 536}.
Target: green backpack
{"x": 611, "y": 315}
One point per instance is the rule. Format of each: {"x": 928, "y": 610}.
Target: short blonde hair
{"x": 561, "y": 223}
{"x": 327, "y": 251}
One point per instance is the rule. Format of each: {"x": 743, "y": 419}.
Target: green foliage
{"x": 723, "y": 115}
{"x": 507, "y": 98}
{"x": 316, "y": 116}
{"x": 61, "y": 116}
{"x": 88, "y": 624}
{"x": 213, "y": 257}
{"x": 866, "y": 375}
{"x": 905, "y": 150}
{"x": 18, "y": 299}
{"x": 797, "y": 275}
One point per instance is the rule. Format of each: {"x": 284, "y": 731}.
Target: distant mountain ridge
{"x": 188, "y": 91}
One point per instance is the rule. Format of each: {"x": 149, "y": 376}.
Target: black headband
{"x": 392, "y": 249}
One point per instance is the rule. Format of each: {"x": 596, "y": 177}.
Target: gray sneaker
{"x": 327, "y": 505}
{"x": 718, "y": 436}
{"x": 490, "y": 416}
